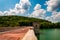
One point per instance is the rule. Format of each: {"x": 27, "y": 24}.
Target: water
{"x": 50, "y": 34}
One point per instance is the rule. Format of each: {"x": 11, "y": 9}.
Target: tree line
{"x": 14, "y": 21}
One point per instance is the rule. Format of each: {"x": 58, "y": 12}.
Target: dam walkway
{"x": 17, "y": 34}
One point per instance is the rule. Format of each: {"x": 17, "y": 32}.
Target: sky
{"x": 42, "y": 9}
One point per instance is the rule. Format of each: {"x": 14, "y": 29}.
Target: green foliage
{"x": 12, "y": 21}
{"x": 6, "y": 21}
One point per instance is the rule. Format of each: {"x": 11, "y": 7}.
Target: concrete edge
{"x": 30, "y": 35}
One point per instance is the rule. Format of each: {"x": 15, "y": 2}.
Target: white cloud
{"x": 52, "y": 5}
{"x": 23, "y": 6}
{"x": 38, "y": 12}
{"x": 20, "y": 8}
{"x": 1, "y": 13}
{"x": 55, "y": 17}
{"x": 37, "y": 7}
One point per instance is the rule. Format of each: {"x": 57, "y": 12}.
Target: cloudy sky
{"x": 42, "y": 9}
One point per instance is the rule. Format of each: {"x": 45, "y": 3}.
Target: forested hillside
{"x": 14, "y": 21}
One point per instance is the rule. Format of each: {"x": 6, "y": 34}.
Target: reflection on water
{"x": 50, "y": 34}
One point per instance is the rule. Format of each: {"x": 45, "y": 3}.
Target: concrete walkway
{"x": 18, "y": 34}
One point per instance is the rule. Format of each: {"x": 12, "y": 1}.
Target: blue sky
{"x": 38, "y": 2}
{"x": 49, "y": 10}
{"x": 10, "y": 4}
{"x": 7, "y": 4}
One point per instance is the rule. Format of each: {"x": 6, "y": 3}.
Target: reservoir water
{"x": 50, "y": 34}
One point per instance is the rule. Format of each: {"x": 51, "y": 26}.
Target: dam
{"x": 26, "y": 33}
